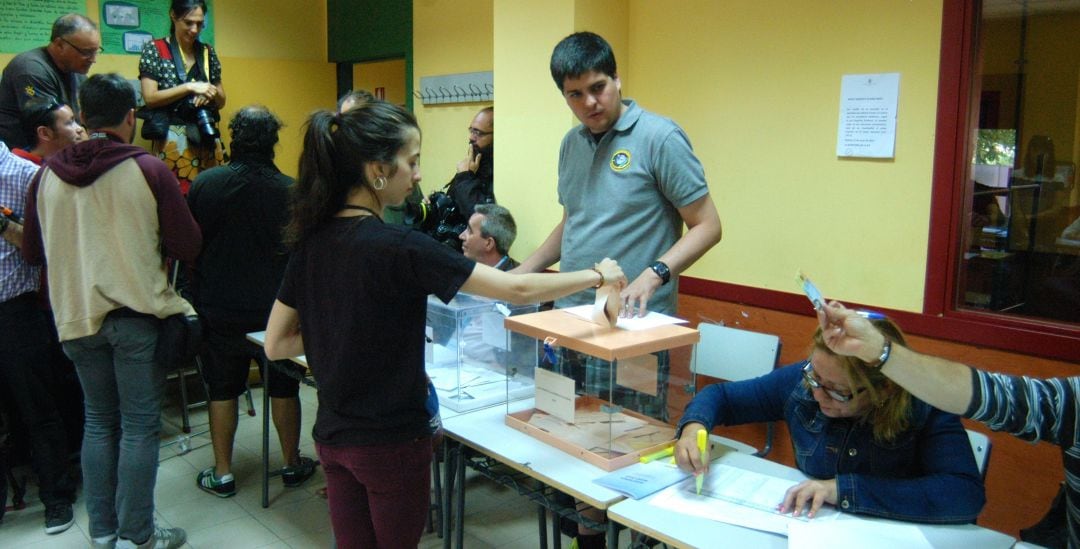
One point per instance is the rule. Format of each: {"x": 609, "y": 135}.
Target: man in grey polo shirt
{"x": 628, "y": 182}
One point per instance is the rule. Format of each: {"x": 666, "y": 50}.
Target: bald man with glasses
{"x": 55, "y": 70}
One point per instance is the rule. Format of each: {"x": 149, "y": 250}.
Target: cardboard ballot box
{"x": 601, "y": 392}
{"x": 472, "y": 359}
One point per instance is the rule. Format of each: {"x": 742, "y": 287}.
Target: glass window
{"x": 1020, "y": 220}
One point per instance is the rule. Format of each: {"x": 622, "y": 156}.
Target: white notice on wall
{"x": 868, "y": 115}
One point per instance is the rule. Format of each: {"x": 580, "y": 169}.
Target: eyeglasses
{"x": 808, "y": 376}
{"x": 477, "y": 133}
{"x": 85, "y": 52}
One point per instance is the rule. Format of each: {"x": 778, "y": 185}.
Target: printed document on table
{"x": 651, "y": 320}
{"x": 642, "y": 479}
{"x": 736, "y": 496}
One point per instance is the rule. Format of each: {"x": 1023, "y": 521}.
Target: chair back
{"x": 733, "y": 354}
{"x": 980, "y": 446}
{"x": 736, "y": 355}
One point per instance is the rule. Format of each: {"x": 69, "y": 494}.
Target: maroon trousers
{"x": 379, "y": 495}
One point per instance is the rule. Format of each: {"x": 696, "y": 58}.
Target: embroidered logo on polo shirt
{"x": 620, "y": 160}
{"x": 29, "y": 91}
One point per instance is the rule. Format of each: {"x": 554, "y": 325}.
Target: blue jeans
{"x": 122, "y": 386}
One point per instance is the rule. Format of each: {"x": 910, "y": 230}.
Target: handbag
{"x": 179, "y": 339}
{"x": 155, "y": 123}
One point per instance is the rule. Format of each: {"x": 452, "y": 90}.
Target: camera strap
{"x": 201, "y": 65}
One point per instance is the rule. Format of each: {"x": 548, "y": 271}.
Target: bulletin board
{"x": 127, "y": 25}
{"x": 27, "y": 24}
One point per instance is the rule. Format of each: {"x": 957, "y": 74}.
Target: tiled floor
{"x": 297, "y": 517}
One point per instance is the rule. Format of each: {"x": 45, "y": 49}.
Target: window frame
{"x": 959, "y": 43}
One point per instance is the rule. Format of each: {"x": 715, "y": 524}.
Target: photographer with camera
{"x": 444, "y": 214}
{"x": 181, "y": 85}
{"x": 474, "y": 183}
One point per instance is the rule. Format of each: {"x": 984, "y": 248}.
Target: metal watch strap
{"x": 886, "y": 350}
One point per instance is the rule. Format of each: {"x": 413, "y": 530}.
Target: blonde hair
{"x": 891, "y": 404}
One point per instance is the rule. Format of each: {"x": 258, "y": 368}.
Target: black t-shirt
{"x": 32, "y": 74}
{"x": 360, "y": 287}
{"x": 241, "y": 209}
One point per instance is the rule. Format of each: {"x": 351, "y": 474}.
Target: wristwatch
{"x": 661, "y": 269}
{"x": 886, "y": 350}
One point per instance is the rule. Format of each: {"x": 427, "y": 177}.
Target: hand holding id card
{"x": 810, "y": 290}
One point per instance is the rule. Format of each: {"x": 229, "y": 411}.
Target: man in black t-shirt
{"x": 55, "y": 70}
{"x": 242, "y": 209}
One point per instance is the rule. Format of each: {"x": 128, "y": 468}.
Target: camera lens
{"x": 206, "y": 124}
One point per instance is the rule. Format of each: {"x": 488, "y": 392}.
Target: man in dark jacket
{"x": 242, "y": 209}
{"x": 474, "y": 183}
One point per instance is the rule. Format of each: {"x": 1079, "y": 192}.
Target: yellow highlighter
{"x": 703, "y": 447}
{"x": 670, "y": 450}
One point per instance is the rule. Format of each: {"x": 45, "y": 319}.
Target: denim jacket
{"x": 927, "y": 474}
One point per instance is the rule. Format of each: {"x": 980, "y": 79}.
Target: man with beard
{"x": 473, "y": 183}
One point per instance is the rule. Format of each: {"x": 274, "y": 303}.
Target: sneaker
{"x": 163, "y": 538}
{"x": 104, "y": 542}
{"x": 58, "y": 518}
{"x": 295, "y": 475}
{"x": 221, "y": 487}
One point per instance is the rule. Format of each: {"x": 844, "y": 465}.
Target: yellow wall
{"x": 388, "y": 74}
{"x": 756, "y": 87}
{"x": 608, "y": 18}
{"x": 449, "y": 37}
{"x": 260, "y": 63}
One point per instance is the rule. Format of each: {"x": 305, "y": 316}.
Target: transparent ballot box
{"x": 605, "y": 394}
{"x": 470, "y": 356}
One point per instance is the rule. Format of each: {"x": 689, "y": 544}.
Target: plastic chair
{"x": 981, "y": 446}
{"x": 736, "y": 355}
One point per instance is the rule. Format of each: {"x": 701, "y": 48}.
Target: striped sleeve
{"x": 1032, "y": 409}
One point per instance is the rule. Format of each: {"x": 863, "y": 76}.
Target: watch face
{"x": 662, "y": 271}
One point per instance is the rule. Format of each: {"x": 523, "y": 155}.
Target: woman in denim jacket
{"x": 867, "y": 444}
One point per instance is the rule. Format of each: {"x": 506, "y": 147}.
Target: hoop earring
{"x": 380, "y": 183}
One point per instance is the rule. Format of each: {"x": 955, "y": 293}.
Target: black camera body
{"x": 439, "y": 218}
{"x": 203, "y": 118}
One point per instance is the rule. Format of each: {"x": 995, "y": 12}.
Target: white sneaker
{"x": 106, "y": 542}
{"x": 163, "y": 538}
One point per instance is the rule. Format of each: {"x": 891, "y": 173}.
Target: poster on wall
{"x": 127, "y": 25}
{"x": 868, "y": 115}
{"x": 27, "y": 24}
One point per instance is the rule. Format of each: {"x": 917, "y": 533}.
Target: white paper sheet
{"x": 651, "y": 320}
{"x": 555, "y": 394}
{"x": 736, "y": 496}
{"x": 867, "y": 125}
{"x": 855, "y": 533}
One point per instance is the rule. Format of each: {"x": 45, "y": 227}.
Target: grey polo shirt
{"x": 622, "y": 196}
